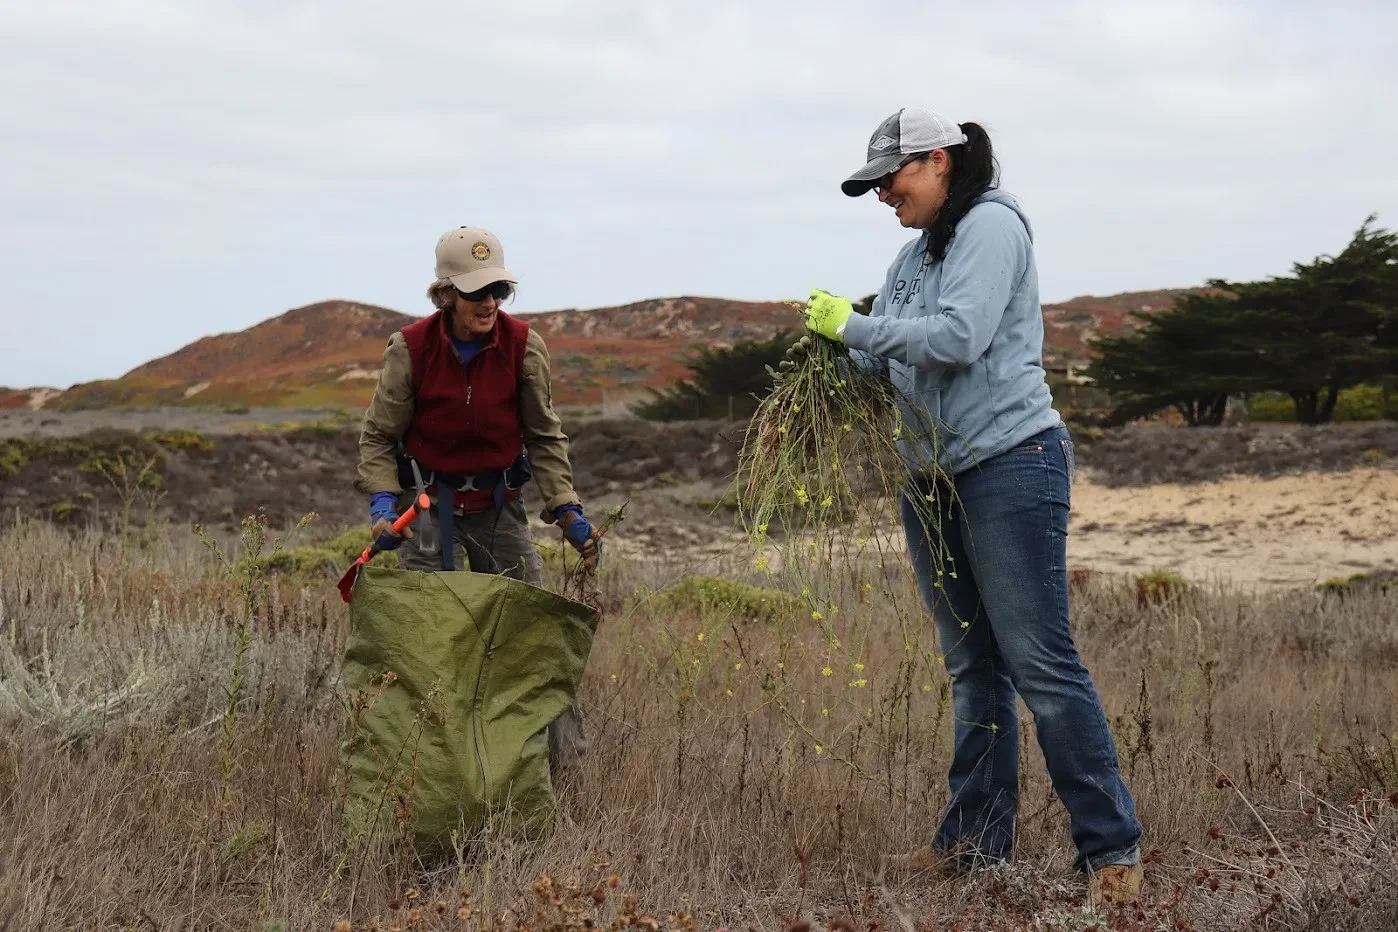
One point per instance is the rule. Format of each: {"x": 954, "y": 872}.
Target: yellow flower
{"x": 816, "y": 616}
{"x": 859, "y": 668}
{"x": 868, "y": 587}
{"x": 827, "y": 672}
{"x": 859, "y": 684}
{"x": 827, "y": 501}
{"x": 701, "y": 635}
{"x": 613, "y": 677}
{"x": 820, "y": 749}
{"x": 860, "y": 467}
{"x": 738, "y": 666}
{"x": 848, "y": 428}
{"x": 762, "y": 528}
{"x": 965, "y": 624}
{"x": 696, "y": 661}
{"x": 728, "y": 692}
{"x": 927, "y": 687}
{"x": 781, "y": 666}
{"x": 834, "y": 643}
{"x": 781, "y": 429}
{"x": 762, "y": 562}
{"x": 802, "y": 497}
{"x": 825, "y": 712}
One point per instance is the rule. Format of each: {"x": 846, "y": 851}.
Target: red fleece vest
{"x": 466, "y": 418}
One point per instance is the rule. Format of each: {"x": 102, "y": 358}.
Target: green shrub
{"x": 304, "y": 561}
{"x": 1159, "y": 586}
{"x": 1345, "y": 585}
{"x": 717, "y": 594}
{"x": 175, "y": 440}
{"x": 1271, "y": 406}
{"x": 1360, "y": 403}
{"x": 327, "y": 558}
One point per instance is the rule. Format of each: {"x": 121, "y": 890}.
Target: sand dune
{"x": 1248, "y": 532}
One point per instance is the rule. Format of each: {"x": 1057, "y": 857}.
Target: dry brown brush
{"x": 733, "y": 782}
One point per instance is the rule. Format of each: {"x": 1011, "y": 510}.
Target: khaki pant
{"x": 497, "y": 541}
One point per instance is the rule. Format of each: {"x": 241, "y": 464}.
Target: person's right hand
{"x": 382, "y": 514}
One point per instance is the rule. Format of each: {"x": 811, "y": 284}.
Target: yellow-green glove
{"x": 827, "y": 314}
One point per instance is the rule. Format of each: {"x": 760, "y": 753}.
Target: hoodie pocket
{"x": 921, "y": 409}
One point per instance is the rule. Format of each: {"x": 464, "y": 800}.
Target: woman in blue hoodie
{"x": 958, "y": 330}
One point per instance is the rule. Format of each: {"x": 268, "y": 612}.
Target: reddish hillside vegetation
{"x": 329, "y": 353}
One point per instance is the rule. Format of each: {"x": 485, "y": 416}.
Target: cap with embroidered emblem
{"x": 906, "y": 133}
{"x": 472, "y": 259}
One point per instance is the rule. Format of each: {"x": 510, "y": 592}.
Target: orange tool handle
{"x": 422, "y": 504}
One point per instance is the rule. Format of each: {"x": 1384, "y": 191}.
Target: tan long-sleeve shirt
{"x": 391, "y": 411}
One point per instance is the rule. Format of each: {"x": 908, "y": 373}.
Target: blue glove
{"x": 577, "y": 529}
{"x": 382, "y": 513}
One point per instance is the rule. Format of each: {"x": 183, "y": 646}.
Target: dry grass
{"x": 732, "y": 782}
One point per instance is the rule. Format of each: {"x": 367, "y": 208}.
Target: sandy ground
{"x": 1246, "y": 533}
{"x": 1251, "y": 533}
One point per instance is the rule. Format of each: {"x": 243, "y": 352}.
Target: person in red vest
{"x": 463, "y": 411}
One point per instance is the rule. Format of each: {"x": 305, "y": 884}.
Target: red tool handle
{"x": 422, "y": 504}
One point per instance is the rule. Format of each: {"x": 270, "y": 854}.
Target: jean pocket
{"x": 1033, "y": 446}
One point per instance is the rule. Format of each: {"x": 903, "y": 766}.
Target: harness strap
{"x": 446, "y": 485}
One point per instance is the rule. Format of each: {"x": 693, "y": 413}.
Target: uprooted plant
{"x": 825, "y": 492}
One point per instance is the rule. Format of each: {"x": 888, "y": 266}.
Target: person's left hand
{"x": 579, "y": 531}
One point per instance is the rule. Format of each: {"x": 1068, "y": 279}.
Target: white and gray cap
{"x": 907, "y": 133}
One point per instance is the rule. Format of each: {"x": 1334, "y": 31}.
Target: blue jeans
{"x": 1001, "y": 611}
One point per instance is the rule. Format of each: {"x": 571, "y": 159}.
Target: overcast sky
{"x": 174, "y": 169}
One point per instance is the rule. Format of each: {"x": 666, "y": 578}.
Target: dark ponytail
{"x": 974, "y": 171}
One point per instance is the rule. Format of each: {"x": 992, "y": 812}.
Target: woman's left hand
{"x": 579, "y": 531}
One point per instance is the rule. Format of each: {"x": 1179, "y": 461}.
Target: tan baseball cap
{"x": 472, "y": 259}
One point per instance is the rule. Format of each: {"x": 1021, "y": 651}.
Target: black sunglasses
{"x": 499, "y": 291}
{"x": 886, "y": 182}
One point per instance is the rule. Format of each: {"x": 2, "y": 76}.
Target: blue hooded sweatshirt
{"x": 962, "y": 340}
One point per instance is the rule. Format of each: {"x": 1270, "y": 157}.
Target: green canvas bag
{"x": 480, "y": 664}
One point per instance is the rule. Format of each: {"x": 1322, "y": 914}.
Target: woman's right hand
{"x": 382, "y": 514}
{"x": 385, "y": 537}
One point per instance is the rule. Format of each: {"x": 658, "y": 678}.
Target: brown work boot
{"x": 922, "y": 860}
{"x": 1115, "y": 884}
